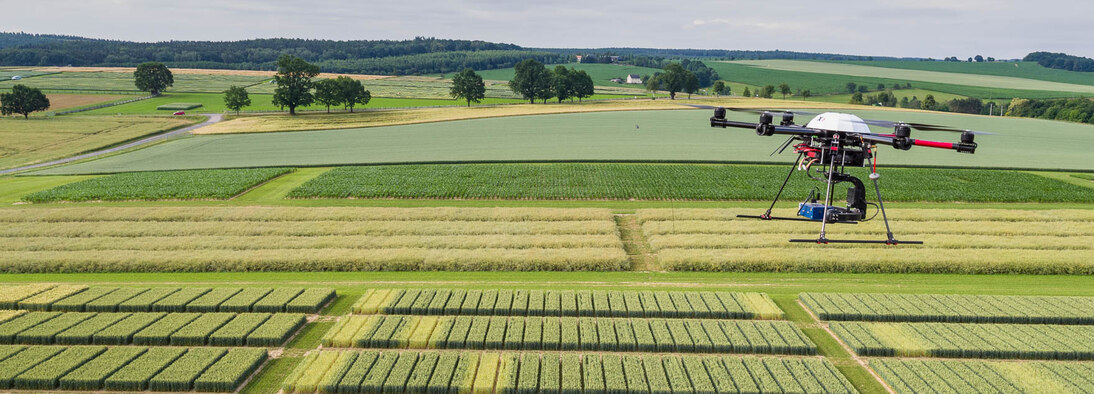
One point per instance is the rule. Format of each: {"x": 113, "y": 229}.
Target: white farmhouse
{"x": 634, "y": 78}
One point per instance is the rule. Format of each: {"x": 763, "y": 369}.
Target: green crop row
{"x": 569, "y": 333}
{"x": 950, "y": 308}
{"x": 77, "y": 298}
{"x": 589, "y": 303}
{"x": 513, "y": 372}
{"x": 162, "y": 185}
{"x": 969, "y": 340}
{"x": 150, "y": 328}
{"x": 271, "y": 214}
{"x": 661, "y": 181}
{"x": 929, "y": 376}
{"x": 125, "y": 368}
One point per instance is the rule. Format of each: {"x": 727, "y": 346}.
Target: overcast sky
{"x": 913, "y": 28}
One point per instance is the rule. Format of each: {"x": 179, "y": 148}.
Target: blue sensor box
{"x": 811, "y": 211}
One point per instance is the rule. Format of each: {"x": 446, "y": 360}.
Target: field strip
{"x": 989, "y": 81}
{"x": 213, "y": 118}
{"x": 862, "y": 362}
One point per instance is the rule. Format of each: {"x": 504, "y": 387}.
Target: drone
{"x": 833, "y": 141}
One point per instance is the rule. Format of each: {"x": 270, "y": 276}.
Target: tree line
{"x": 533, "y": 81}
{"x": 421, "y": 55}
{"x": 723, "y": 54}
{"x": 1061, "y": 61}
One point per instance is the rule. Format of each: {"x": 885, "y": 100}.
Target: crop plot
{"x": 508, "y": 372}
{"x": 956, "y": 241}
{"x": 596, "y": 303}
{"x": 150, "y": 328}
{"x": 570, "y": 333}
{"x": 165, "y": 185}
{"x": 128, "y": 368}
{"x": 658, "y": 182}
{"x": 78, "y": 298}
{"x": 299, "y": 238}
{"x": 925, "y": 376}
{"x": 950, "y": 308}
{"x": 969, "y": 340}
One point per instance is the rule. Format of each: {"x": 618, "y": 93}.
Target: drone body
{"x": 834, "y": 141}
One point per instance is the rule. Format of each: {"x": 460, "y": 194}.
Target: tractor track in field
{"x": 213, "y": 118}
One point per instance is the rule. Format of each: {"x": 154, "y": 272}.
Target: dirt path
{"x": 854, "y": 356}
{"x": 634, "y": 242}
{"x": 213, "y": 118}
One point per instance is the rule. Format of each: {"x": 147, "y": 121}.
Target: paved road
{"x": 213, "y": 118}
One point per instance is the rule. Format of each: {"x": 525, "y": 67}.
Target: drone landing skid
{"x": 824, "y": 241}
{"x": 766, "y": 217}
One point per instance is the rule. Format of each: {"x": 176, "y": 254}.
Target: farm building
{"x": 634, "y": 78}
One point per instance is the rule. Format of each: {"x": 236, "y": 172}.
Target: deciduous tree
{"x": 691, "y": 84}
{"x": 469, "y": 86}
{"x": 562, "y": 83}
{"x": 236, "y": 97}
{"x": 294, "y": 82}
{"x": 328, "y": 92}
{"x": 583, "y": 84}
{"x": 531, "y": 80}
{"x": 928, "y": 102}
{"x": 352, "y": 92}
{"x": 23, "y": 100}
{"x": 746, "y": 93}
{"x": 153, "y": 77}
{"x": 784, "y": 89}
{"x": 719, "y": 86}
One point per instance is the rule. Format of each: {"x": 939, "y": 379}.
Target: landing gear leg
{"x": 767, "y": 215}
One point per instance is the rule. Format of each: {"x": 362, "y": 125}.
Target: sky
{"x": 918, "y": 28}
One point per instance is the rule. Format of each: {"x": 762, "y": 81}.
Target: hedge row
{"x": 596, "y": 303}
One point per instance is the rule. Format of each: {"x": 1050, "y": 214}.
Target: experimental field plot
{"x": 529, "y": 372}
{"x": 956, "y": 241}
{"x": 163, "y": 185}
{"x": 80, "y": 298}
{"x": 563, "y": 181}
{"x": 595, "y": 303}
{"x": 310, "y": 239}
{"x": 569, "y": 333}
{"x": 127, "y": 368}
{"x": 950, "y": 308}
{"x": 912, "y": 326}
{"x": 969, "y": 340}
{"x": 930, "y": 376}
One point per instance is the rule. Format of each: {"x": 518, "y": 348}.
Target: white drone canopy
{"x": 835, "y": 121}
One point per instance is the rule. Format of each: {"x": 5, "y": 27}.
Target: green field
{"x": 918, "y": 75}
{"x": 170, "y": 185}
{"x": 1026, "y": 70}
{"x": 900, "y": 93}
{"x": 611, "y": 136}
{"x": 662, "y": 181}
{"x": 825, "y": 78}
